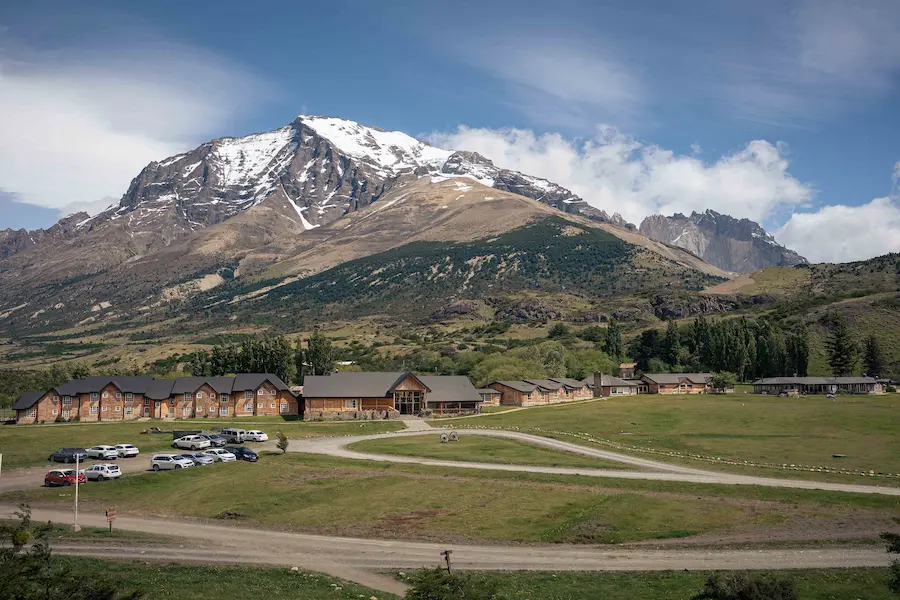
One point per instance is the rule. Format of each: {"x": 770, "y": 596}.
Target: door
{"x": 146, "y": 411}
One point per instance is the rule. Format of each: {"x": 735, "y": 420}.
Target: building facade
{"x": 122, "y": 398}
{"x": 678, "y": 383}
{"x": 818, "y": 385}
{"x": 534, "y": 392}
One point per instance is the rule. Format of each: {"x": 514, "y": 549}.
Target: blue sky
{"x": 785, "y": 112}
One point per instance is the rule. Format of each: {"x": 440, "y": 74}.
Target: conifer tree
{"x": 840, "y": 346}
{"x": 873, "y": 357}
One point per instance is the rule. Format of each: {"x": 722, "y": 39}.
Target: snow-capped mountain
{"x": 737, "y": 245}
{"x": 312, "y": 172}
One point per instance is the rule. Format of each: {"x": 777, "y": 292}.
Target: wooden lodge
{"x": 386, "y": 395}
{"x": 678, "y": 383}
{"x": 532, "y": 392}
{"x": 102, "y": 398}
{"x": 818, "y": 385}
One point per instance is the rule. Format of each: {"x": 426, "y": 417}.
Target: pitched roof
{"x": 628, "y": 365}
{"x": 519, "y": 386}
{"x": 449, "y": 388}
{"x": 96, "y": 383}
{"x": 569, "y": 382}
{"x": 669, "y": 378}
{"x": 189, "y": 385}
{"x": 353, "y": 385}
{"x": 159, "y": 389}
{"x": 27, "y": 400}
{"x": 547, "y": 384}
{"x": 251, "y": 381}
{"x": 610, "y": 381}
{"x": 814, "y": 380}
{"x": 488, "y": 391}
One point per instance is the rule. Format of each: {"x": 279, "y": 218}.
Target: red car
{"x": 64, "y": 477}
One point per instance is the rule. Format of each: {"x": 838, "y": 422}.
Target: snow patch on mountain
{"x": 245, "y": 159}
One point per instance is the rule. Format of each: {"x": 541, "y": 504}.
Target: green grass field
{"x": 360, "y": 498}
{"x": 833, "y": 584}
{"x": 480, "y": 449}
{"x": 201, "y": 582}
{"x": 28, "y": 445}
{"x": 759, "y": 429}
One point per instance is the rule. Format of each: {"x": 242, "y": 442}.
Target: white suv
{"x": 103, "y": 472}
{"x": 104, "y": 452}
{"x": 192, "y": 442}
{"x": 256, "y": 436}
{"x": 127, "y": 450}
{"x": 220, "y": 455}
{"x": 161, "y": 462}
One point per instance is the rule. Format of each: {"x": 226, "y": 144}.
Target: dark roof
{"x": 547, "y": 384}
{"x": 96, "y": 383}
{"x": 27, "y": 400}
{"x": 251, "y": 381}
{"x": 519, "y": 386}
{"x": 189, "y": 385}
{"x": 667, "y": 378}
{"x": 610, "y": 381}
{"x": 488, "y": 391}
{"x": 449, "y": 388}
{"x": 813, "y": 380}
{"x": 569, "y": 382}
{"x": 354, "y": 385}
{"x": 159, "y": 389}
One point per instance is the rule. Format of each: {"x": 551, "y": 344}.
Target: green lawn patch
{"x": 478, "y": 448}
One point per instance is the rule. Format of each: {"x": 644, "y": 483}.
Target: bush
{"x": 437, "y": 584}
{"x": 282, "y": 443}
{"x": 740, "y": 586}
{"x": 890, "y": 388}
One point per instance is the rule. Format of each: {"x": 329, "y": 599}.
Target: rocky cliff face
{"x": 737, "y": 245}
{"x": 13, "y": 241}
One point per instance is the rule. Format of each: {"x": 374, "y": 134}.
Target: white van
{"x": 234, "y": 436}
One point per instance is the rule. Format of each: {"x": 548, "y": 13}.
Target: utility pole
{"x": 75, "y": 526}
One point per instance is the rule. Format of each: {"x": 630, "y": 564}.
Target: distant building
{"x": 678, "y": 383}
{"x": 489, "y": 397}
{"x": 531, "y": 392}
{"x": 626, "y": 370}
{"x": 818, "y": 385}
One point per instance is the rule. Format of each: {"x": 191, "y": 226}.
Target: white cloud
{"x": 620, "y": 174}
{"x": 846, "y": 233}
{"x": 77, "y": 128}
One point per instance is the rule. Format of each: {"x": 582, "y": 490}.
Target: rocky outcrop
{"x": 737, "y": 245}
{"x": 457, "y": 308}
{"x": 526, "y": 310}
{"x": 667, "y": 307}
{"x": 13, "y": 241}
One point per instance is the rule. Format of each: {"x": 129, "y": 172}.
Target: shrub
{"x": 437, "y": 584}
{"x": 740, "y": 586}
{"x": 282, "y": 443}
{"x": 890, "y": 388}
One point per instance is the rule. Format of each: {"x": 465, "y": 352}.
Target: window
{"x": 248, "y": 407}
{"x": 260, "y": 405}
{"x": 272, "y": 405}
{"x": 212, "y": 395}
{"x": 129, "y": 396}
{"x": 55, "y": 398}
{"x": 273, "y": 392}
{"x": 284, "y": 408}
{"x": 32, "y": 412}
{"x": 106, "y": 394}
{"x": 199, "y": 395}
{"x": 187, "y": 397}
{"x": 118, "y": 395}
{"x": 54, "y": 411}
{"x": 94, "y": 396}
{"x": 261, "y": 392}
{"x": 248, "y": 395}
{"x": 94, "y": 410}
{"x": 118, "y": 409}
{"x": 223, "y": 411}
{"x": 67, "y": 399}
{"x": 212, "y": 409}
{"x": 146, "y": 402}
{"x": 104, "y": 409}
{"x": 129, "y": 410}
{"x": 352, "y": 404}
{"x": 223, "y": 397}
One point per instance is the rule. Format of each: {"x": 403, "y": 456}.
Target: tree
{"x": 671, "y": 343}
{"x": 437, "y": 584}
{"x": 283, "y": 441}
{"x": 28, "y": 570}
{"x": 893, "y": 547}
{"x": 873, "y": 357}
{"x": 557, "y": 330}
{"x": 840, "y": 346}
{"x": 723, "y": 380}
{"x": 746, "y": 587}
{"x": 612, "y": 343}
{"x": 316, "y": 359}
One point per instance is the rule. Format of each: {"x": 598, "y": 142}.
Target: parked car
{"x": 194, "y": 442}
{"x": 243, "y": 453}
{"x": 69, "y": 455}
{"x": 127, "y": 450}
{"x": 64, "y": 477}
{"x": 234, "y": 436}
{"x": 104, "y": 452}
{"x": 199, "y": 458}
{"x": 103, "y": 472}
{"x": 256, "y": 436}
{"x": 221, "y": 455}
{"x": 215, "y": 439}
{"x": 161, "y": 462}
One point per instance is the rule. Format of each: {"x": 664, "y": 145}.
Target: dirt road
{"x": 652, "y": 470}
{"x": 354, "y": 558}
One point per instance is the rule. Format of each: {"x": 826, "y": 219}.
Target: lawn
{"x": 28, "y": 445}
{"x": 819, "y": 584}
{"x": 201, "y": 582}
{"x": 759, "y": 429}
{"x": 480, "y": 449}
{"x": 358, "y": 498}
